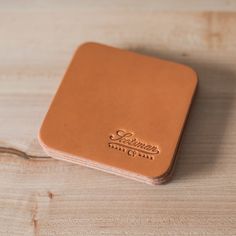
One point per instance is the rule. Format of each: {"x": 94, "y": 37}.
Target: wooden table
{"x": 42, "y": 196}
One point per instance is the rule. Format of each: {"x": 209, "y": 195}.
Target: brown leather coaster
{"x": 120, "y": 112}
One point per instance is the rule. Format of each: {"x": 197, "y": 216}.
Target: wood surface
{"x": 42, "y": 196}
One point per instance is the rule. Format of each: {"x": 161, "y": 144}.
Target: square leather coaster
{"x": 120, "y": 112}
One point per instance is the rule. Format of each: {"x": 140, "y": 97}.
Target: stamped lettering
{"x": 127, "y": 142}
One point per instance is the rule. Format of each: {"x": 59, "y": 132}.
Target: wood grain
{"x": 42, "y": 196}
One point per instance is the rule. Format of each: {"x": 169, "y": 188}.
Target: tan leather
{"x": 119, "y": 111}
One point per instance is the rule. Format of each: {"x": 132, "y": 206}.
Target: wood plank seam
{"x": 19, "y": 153}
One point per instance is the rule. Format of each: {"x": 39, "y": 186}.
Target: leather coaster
{"x": 119, "y": 112}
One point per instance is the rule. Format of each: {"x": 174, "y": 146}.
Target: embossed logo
{"x": 127, "y": 142}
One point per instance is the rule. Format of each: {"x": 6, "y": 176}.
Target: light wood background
{"x": 42, "y": 196}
